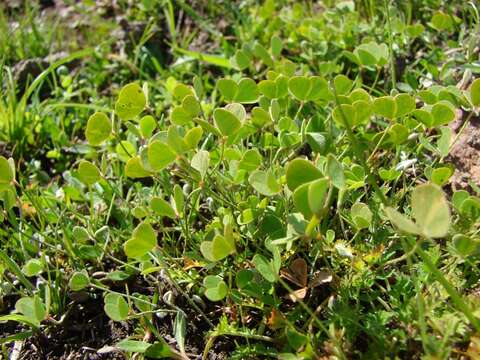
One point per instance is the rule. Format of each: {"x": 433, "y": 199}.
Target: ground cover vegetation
{"x": 239, "y": 179}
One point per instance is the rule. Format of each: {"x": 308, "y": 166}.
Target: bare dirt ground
{"x": 465, "y": 155}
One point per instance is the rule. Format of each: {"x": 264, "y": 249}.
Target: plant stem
{"x": 215, "y": 334}
{"x": 455, "y": 296}
{"x": 390, "y": 46}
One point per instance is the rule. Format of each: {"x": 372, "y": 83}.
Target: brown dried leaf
{"x": 190, "y": 264}
{"x": 296, "y": 273}
{"x": 276, "y": 320}
{"x": 299, "y": 294}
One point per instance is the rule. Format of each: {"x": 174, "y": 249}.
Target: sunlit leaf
{"x": 160, "y": 155}
{"x": 430, "y": 210}
{"x": 226, "y": 122}
{"x": 6, "y": 172}
{"x": 32, "y": 307}
{"x": 79, "y": 281}
{"x": 88, "y": 173}
{"x": 131, "y": 102}
{"x": 475, "y": 92}
{"x": 299, "y": 87}
{"x": 161, "y": 207}
{"x": 134, "y": 168}
{"x": 99, "y": 128}
{"x": 335, "y": 172}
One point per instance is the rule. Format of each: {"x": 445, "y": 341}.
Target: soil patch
{"x": 84, "y": 331}
{"x": 465, "y": 154}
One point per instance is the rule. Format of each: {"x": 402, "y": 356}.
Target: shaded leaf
{"x": 115, "y": 307}
{"x": 301, "y": 171}
{"x": 143, "y": 240}
{"x": 215, "y": 288}
{"x": 264, "y": 182}
{"x": 401, "y": 221}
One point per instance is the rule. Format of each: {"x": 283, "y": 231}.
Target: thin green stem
{"x": 390, "y": 46}
{"x": 454, "y": 295}
{"x": 312, "y": 315}
{"x": 377, "y": 77}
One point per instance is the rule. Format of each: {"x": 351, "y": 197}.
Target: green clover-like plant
{"x": 441, "y": 175}
{"x": 79, "y": 281}
{"x": 301, "y": 171}
{"x": 361, "y": 215}
{"x": 300, "y": 200}
{"x": 438, "y": 114}
{"x": 251, "y": 160}
{"x": 33, "y": 267}
{"x": 475, "y": 93}
{"x": 125, "y": 150}
{"x": 88, "y": 173}
{"x": 183, "y": 114}
{"x": 215, "y": 288}
{"x": 181, "y": 91}
{"x": 385, "y": 106}
{"x": 245, "y": 91}
{"x": 160, "y": 155}
{"x": 342, "y": 84}
{"x": 264, "y": 182}
{"x": 161, "y": 207}
{"x": 143, "y": 240}
{"x": 334, "y": 171}
{"x": 7, "y": 174}
{"x": 308, "y": 88}
{"x": 227, "y": 122}
{"x": 405, "y": 104}
{"x": 99, "y": 128}
{"x": 147, "y": 126}
{"x": 200, "y": 162}
{"x": 32, "y": 308}
{"x": 317, "y": 190}
{"x": 193, "y": 137}
{"x": 260, "y": 52}
{"x": 441, "y": 21}
{"x": 221, "y": 246}
{"x": 267, "y": 268}
{"x": 217, "y": 249}
{"x": 430, "y": 211}
{"x": 131, "y": 102}
{"x": 371, "y": 54}
{"x": 260, "y": 117}
{"x": 134, "y": 168}
{"x": 344, "y": 115}
{"x": 116, "y": 307}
